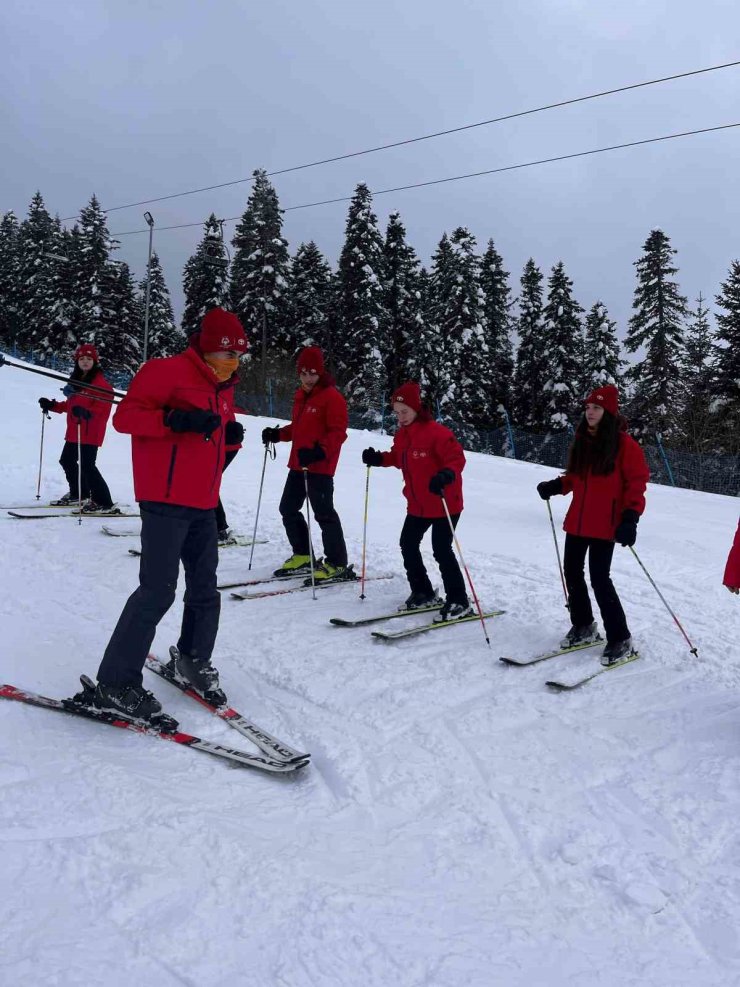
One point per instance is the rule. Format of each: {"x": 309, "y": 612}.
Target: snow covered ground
{"x": 460, "y": 825}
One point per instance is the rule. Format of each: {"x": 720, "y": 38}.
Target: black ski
{"x": 322, "y": 584}
{"x": 547, "y": 655}
{"x": 75, "y": 514}
{"x": 566, "y": 684}
{"x": 364, "y": 621}
{"x": 425, "y": 628}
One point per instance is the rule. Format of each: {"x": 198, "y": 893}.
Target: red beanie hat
{"x": 86, "y": 349}
{"x": 222, "y": 330}
{"x": 310, "y": 358}
{"x": 409, "y": 394}
{"x": 607, "y": 397}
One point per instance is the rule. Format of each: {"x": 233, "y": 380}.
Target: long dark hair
{"x": 598, "y": 452}
{"x": 78, "y": 378}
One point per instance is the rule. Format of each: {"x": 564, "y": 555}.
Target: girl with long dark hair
{"x": 607, "y": 475}
{"x": 87, "y": 411}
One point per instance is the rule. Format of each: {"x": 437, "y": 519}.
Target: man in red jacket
{"x": 317, "y": 430}
{"x": 175, "y": 411}
{"x": 732, "y": 570}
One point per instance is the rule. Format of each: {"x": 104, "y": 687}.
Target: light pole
{"x": 150, "y": 223}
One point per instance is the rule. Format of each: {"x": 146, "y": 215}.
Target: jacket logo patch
{"x": 419, "y": 454}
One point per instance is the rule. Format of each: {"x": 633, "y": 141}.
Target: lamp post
{"x": 150, "y": 223}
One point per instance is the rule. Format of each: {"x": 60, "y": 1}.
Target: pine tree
{"x": 494, "y": 282}
{"x": 402, "y": 315}
{"x": 425, "y": 347}
{"x": 657, "y": 326}
{"x": 205, "y": 278}
{"x": 37, "y": 238}
{"x": 122, "y": 348}
{"x": 601, "y": 360}
{"x": 698, "y": 378}
{"x": 259, "y": 270}
{"x": 531, "y": 374}
{"x": 437, "y": 358}
{"x": 360, "y": 350}
{"x": 97, "y": 286}
{"x": 311, "y": 299}
{"x": 727, "y": 388}
{"x": 9, "y": 280}
{"x": 562, "y": 342}
{"x": 164, "y": 337}
{"x": 466, "y": 345}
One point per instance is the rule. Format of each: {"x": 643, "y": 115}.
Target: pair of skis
{"x": 276, "y": 757}
{"x": 21, "y": 516}
{"x": 566, "y": 682}
{"x": 409, "y": 631}
{"x": 305, "y": 586}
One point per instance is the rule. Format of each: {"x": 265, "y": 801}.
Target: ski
{"x": 121, "y": 532}
{"x": 268, "y": 744}
{"x": 323, "y": 584}
{"x": 136, "y": 552}
{"x": 75, "y": 514}
{"x": 176, "y": 736}
{"x": 562, "y": 685}
{"x": 546, "y": 655}
{"x": 413, "y": 631}
{"x": 259, "y": 582}
{"x": 364, "y": 621}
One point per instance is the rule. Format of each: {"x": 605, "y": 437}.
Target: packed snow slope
{"x": 460, "y": 824}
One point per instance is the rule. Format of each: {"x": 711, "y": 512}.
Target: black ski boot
{"x": 453, "y": 611}
{"x": 582, "y": 634}
{"x": 199, "y": 674}
{"x": 421, "y": 601}
{"x": 133, "y": 702}
{"x": 616, "y": 652}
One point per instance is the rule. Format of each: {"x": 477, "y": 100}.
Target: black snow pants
{"x": 93, "y": 484}
{"x": 600, "y": 552}
{"x": 414, "y": 529}
{"x": 169, "y": 534}
{"x": 321, "y": 498}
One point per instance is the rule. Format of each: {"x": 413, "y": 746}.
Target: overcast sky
{"x": 132, "y": 100}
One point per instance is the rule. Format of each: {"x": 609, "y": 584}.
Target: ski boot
{"x": 421, "y": 601}
{"x": 199, "y": 674}
{"x": 226, "y": 537}
{"x": 325, "y": 572}
{"x": 453, "y": 611}
{"x": 90, "y": 507}
{"x": 616, "y": 652}
{"x": 65, "y": 501}
{"x": 131, "y": 702}
{"x": 296, "y": 565}
{"x": 583, "y": 634}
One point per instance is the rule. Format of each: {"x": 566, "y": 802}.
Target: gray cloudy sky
{"x": 135, "y": 99}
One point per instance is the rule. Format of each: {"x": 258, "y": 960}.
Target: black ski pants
{"x": 414, "y": 529}
{"x": 321, "y": 499}
{"x": 93, "y": 484}
{"x": 600, "y": 554}
{"x": 169, "y": 534}
{"x": 221, "y": 523}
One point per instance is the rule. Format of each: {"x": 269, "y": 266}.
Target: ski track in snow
{"x": 459, "y": 826}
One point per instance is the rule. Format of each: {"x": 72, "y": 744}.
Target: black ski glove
{"x": 308, "y": 456}
{"x": 549, "y": 488}
{"x": 198, "y": 420}
{"x": 371, "y": 457}
{"x": 270, "y": 435}
{"x": 82, "y": 414}
{"x": 626, "y": 533}
{"x": 440, "y": 480}
{"x": 47, "y": 405}
{"x": 234, "y": 433}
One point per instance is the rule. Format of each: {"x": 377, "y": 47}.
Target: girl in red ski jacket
{"x": 317, "y": 430}
{"x": 87, "y": 411}
{"x": 607, "y": 475}
{"x": 732, "y": 569}
{"x": 431, "y": 461}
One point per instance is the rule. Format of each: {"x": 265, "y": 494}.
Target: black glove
{"x": 371, "y": 457}
{"x": 270, "y": 435}
{"x": 47, "y": 405}
{"x": 233, "y": 433}
{"x": 549, "y": 488}
{"x": 198, "y": 420}
{"x": 308, "y": 456}
{"x": 626, "y": 533}
{"x": 82, "y": 414}
{"x": 440, "y": 480}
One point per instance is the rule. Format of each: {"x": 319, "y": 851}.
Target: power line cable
{"x": 458, "y": 178}
{"x": 425, "y": 137}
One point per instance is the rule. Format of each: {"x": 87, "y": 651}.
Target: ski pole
{"x": 364, "y": 533}
{"x": 310, "y": 540}
{"x": 79, "y": 468}
{"x": 467, "y": 573}
{"x": 259, "y": 500}
{"x": 44, "y": 416}
{"x": 692, "y": 649}
{"x": 557, "y": 552}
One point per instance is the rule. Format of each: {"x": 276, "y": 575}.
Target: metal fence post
{"x": 665, "y": 459}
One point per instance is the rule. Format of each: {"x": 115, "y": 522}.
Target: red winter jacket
{"x": 175, "y": 467}
{"x": 319, "y": 415}
{"x": 420, "y": 450}
{"x": 598, "y": 501}
{"x": 732, "y": 570}
{"x": 92, "y": 431}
